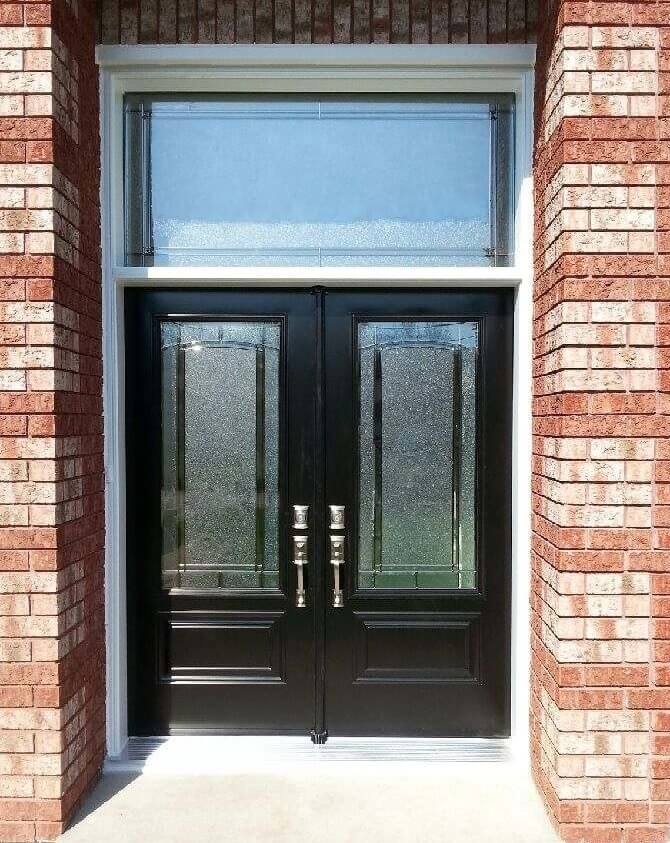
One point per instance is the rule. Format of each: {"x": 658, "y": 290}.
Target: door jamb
{"x": 292, "y": 68}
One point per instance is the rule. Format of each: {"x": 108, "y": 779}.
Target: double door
{"x": 318, "y": 512}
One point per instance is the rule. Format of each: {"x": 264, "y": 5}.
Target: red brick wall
{"x": 52, "y": 731}
{"x": 601, "y": 484}
{"x": 51, "y": 483}
{"x": 318, "y": 21}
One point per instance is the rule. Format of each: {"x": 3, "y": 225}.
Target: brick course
{"x": 317, "y": 21}
{"x": 600, "y": 483}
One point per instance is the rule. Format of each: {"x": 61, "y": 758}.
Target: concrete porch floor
{"x": 394, "y": 802}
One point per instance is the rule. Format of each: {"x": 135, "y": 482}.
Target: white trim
{"x": 112, "y": 392}
{"x": 522, "y": 445}
{"x": 286, "y": 59}
{"x": 418, "y": 69}
{"x": 301, "y": 276}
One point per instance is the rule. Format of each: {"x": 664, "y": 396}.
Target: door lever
{"x": 300, "y": 560}
{"x": 336, "y": 560}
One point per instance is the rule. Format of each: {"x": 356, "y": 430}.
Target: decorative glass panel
{"x": 328, "y": 181}
{"x": 417, "y": 454}
{"x": 220, "y": 438}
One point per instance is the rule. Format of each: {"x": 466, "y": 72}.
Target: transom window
{"x": 318, "y": 180}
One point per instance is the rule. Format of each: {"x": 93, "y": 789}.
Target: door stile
{"x": 319, "y": 733}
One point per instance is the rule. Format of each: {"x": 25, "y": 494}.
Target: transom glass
{"x": 318, "y": 181}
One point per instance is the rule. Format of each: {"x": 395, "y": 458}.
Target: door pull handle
{"x": 337, "y": 560}
{"x": 300, "y": 560}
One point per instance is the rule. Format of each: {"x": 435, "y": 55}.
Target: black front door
{"x": 220, "y": 437}
{"x": 319, "y": 512}
{"x": 418, "y": 435}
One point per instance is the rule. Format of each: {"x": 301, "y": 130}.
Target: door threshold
{"x": 216, "y": 755}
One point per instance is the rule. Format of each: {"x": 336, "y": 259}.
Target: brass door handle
{"x": 336, "y": 560}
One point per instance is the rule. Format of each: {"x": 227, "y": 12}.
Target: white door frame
{"x": 292, "y": 68}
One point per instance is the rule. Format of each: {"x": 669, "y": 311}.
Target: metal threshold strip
{"x": 228, "y": 754}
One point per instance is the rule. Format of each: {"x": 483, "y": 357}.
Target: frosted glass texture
{"x": 220, "y": 441}
{"x": 417, "y": 454}
{"x": 317, "y": 182}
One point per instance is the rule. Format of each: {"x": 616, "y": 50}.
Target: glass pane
{"x": 417, "y": 446}
{"x": 220, "y": 437}
{"x": 317, "y": 181}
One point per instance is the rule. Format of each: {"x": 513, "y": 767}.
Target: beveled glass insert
{"x": 220, "y": 440}
{"x": 318, "y": 181}
{"x": 417, "y": 454}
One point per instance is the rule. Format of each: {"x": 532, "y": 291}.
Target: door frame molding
{"x": 453, "y": 68}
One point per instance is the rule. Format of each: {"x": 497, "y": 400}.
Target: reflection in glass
{"x": 220, "y": 440}
{"x": 417, "y": 454}
{"x": 317, "y": 182}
